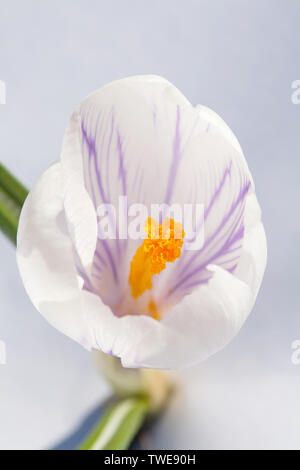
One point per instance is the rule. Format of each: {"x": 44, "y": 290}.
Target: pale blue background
{"x": 239, "y": 57}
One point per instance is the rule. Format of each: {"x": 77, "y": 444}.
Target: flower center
{"x": 162, "y": 245}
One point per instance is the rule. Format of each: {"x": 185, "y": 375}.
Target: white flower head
{"x": 153, "y": 302}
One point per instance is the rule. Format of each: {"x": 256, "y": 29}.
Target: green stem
{"x": 12, "y": 187}
{"x": 119, "y": 425}
{"x": 12, "y": 197}
{"x": 8, "y": 223}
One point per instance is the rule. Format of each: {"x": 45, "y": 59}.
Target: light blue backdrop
{"x": 238, "y": 57}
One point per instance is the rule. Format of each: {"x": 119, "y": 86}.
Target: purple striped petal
{"x": 141, "y": 143}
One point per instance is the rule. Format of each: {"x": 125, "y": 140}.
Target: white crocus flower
{"x": 140, "y": 138}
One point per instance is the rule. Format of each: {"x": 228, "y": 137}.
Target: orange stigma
{"x": 162, "y": 245}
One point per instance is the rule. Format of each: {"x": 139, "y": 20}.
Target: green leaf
{"x": 12, "y": 197}
{"x": 119, "y": 425}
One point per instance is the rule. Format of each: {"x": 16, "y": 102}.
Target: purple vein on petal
{"x": 231, "y": 270}
{"x": 87, "y": 282}
{"x": 195, "y": 283}
{"x": 232, "y": 230}
{"x": 88, "y": 179}
{"x": 108, "y": 151}
{"x": 233, "y": 207}
{"x": 93, "y": 156}
{"x": 99, "y": 158}
{"x": 90, "y": 147}
{"x": 213, "y": 200}
{"x": 100, "y": 258}
{"x": 97, "y": 266}
{"x": 122, "y": 172}
{"x": 225, "y": 219}
{"x": 233, "y": 238}
{"x": 176, "y": 157}
{"x": 110, "y": 259}
{"x": 93, "y": 162}
{"x": 198, "y": 269}
{"x": 216, "y": 194}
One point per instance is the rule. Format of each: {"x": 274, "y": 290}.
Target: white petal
{"x": 45, "y": 258}
{"x": 217, "y": 125}
{"x": 253, "y": 260}
{"x": 210, "y": 317}
{"x": 199, "y": 326}
{"x": 79, "y": 211}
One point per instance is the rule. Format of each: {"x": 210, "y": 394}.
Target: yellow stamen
{"x": 153, "y": 309}
{"x": 163, "y": 245}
